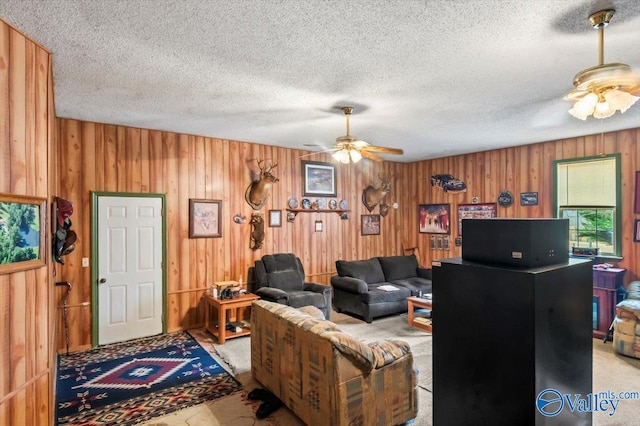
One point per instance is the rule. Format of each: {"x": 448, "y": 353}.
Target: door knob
{"x": 102, "y": 280}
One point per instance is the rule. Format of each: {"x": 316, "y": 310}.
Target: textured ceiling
{"x": 435, "y": 78}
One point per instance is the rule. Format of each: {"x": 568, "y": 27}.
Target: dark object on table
{"x": 527, "y": 243}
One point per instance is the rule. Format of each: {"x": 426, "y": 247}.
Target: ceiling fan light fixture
{"x": 355, "y": 155}
{"x": 606, "y": 88}
{"x": 341, "y": 156}
{"x": 620, "y": 100}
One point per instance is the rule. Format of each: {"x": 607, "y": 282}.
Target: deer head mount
{"x": 257, "y": 231}
{"x": 257, "y": 192}
{"x": 372, "y": 196}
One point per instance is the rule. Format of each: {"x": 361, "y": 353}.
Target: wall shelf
{"x": 338, "y": 211}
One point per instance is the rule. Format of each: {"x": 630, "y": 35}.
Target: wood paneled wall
{"x": 27, "y": 351}
{"x": 522, "y": 169}
{"x": 109, "y": 158}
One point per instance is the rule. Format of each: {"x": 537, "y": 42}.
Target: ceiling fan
{"x": 606, "y": 88}
{"x": 349, "y": 148}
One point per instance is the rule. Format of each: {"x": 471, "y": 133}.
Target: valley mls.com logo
{"x": 551, "y": 402}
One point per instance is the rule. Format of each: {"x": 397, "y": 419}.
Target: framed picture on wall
{"x": 275, "y": 218}
{"x": 636, "y": 231}
{"x": 22, "y": 232}
{"x": 370, "y": 224}
{"x": 319, "y": 178}
{"x": 475, "y": 211}
{"x": 205, "y": 218}
{"x": 637, "y": 193}
{"x": 434, "y": 218}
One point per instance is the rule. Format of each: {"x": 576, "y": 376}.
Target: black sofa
{"x": 356, "y": 288}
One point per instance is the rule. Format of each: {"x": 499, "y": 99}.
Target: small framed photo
{"x": 22, "y": 233}
{"x": 275, "y": 218}
{"x": 319, "y": 179}
{"x": 318, "y": 226}
{"x": 434, "y": 218}
{"x": 636, "y": 233}
{"x": 370, "y": 224}
{"x": 291, "y": 217}
{"x": 205, "y": 218}
{"x": 528, "y": 198}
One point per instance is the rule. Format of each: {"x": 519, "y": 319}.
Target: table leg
{"x": 222, "y": 324}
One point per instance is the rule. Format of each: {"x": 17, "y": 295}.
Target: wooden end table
{"x": 227, "y": 310}
{"x": 418, "y": 302}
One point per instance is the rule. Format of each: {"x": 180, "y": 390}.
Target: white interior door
{"x": 130, "y": 291}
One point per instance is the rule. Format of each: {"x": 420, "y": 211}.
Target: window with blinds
{"x": 587, "y": 193}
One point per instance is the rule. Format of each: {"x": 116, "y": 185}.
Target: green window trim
{"x": 618, "y": 197}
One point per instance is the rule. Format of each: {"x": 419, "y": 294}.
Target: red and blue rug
{"x": 131, "y": 382}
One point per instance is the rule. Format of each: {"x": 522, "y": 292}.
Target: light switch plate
{"x": 85, "y": 262}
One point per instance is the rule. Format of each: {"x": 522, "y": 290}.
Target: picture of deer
{"x": 257, "y": 192}
{"x": 372, "y": 196}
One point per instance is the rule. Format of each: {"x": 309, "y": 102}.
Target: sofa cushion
{"x": 280, "y": 262}
{"x": 368, "y": 270}
{"x": 298, "y": 299}
{"x": 285, "y": 280}
{"x": 399, "y": 267}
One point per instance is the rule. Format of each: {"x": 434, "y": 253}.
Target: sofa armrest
{"x": 387, "y": 351}
{"x": 273, "y": 294}
{"x": 317, "y": 288}
{"x": 349, "y": 284}
{"x": 424, "y": 273}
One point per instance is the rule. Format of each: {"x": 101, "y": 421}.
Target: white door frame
{"x": 95, "y": 251}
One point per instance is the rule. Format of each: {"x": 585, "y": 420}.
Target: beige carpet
{"x": 611, "y": 371}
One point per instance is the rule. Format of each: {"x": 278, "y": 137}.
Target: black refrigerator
{"x": 510, "y": 343}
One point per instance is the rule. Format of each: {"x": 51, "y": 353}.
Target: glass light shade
{"x": 581, "y": 110}
{"x": 603, "y": 110}
{"x": 619, "y": 100}
{"x": 342, "y": 156}
{"x": 355, "y": 155}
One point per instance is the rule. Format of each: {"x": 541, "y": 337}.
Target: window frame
{"x": 618, "y": 207}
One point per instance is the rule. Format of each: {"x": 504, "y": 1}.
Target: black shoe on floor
{"x": 260, "y": 394}
{"x": 268, "y": 407}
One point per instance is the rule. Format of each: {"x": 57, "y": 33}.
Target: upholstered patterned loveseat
{"x": 327, "y": 377}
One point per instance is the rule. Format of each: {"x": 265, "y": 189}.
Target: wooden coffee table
{"x": 227, "y": 310}
{"x": 418, "y": 302}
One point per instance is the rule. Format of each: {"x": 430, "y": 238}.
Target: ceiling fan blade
{"x": 382, "y": 150}
{"x": 370, "y": 156}
{"x": 318, "y": 152}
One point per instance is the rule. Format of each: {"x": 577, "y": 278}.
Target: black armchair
{"x": 280, "y": 278}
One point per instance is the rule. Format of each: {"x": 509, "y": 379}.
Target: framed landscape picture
{"x": 22, "y": 233}
{"x": 434, "y": 218}
{"x": 205, "y": 218}
{"x": 475, "y": 211}
{"x": 319, "y": 178}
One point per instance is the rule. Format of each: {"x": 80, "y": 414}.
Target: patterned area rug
{"x": 131, "y": 382}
